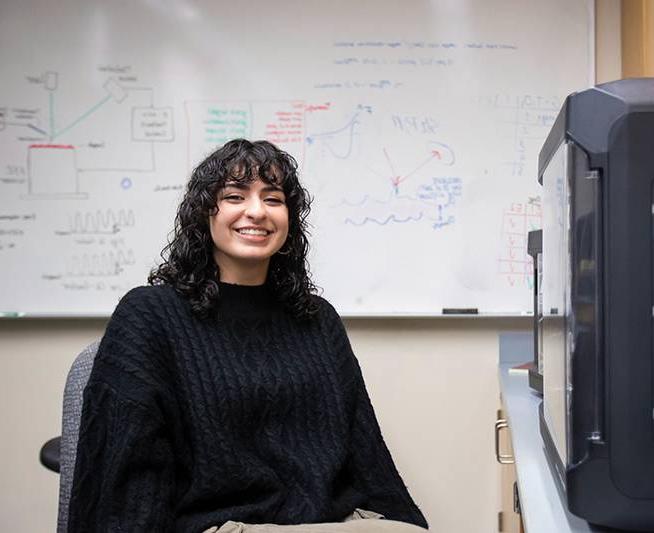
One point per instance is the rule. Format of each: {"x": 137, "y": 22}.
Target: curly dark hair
{"x": 188, "y": 263}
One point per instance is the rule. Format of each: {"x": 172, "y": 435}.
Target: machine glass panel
{"x": 555, "y": 298}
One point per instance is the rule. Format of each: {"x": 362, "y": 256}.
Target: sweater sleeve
{"x": 124, "y": 470}
{"x": 370, "y": 462}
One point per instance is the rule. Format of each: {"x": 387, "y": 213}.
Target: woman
{"x": 226, "y": 394}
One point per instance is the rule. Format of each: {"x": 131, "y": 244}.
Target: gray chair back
{"x": 77, "y": 379}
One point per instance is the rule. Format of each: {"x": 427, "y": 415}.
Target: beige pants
{"x": 361, "y": 521}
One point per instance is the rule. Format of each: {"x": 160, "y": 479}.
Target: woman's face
{"x": 251, "y": 225}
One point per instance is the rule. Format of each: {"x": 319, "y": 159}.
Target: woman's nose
{"x": 255, "y": 208}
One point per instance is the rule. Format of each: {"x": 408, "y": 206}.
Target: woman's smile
{"x": 253, "y": 234}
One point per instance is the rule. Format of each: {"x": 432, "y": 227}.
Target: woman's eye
{"x": 273, "y": 200}
{"x": 233, "y": 197}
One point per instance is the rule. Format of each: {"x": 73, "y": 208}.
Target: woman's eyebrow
{"x": 237, "y": 185}
{"x": 246, "y": 186}
{"x": 272, "y": 188}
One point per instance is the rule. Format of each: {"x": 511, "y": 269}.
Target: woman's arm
{"x": 370, "y": 463}
{"x": 125, "y": 469}
{"x": 124, "y": 472}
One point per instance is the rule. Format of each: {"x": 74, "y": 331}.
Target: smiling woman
{"x": 241, "y": 185}
{"x": 226, "y": 397}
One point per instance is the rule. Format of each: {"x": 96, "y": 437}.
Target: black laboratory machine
{"x": 595, "y": 314}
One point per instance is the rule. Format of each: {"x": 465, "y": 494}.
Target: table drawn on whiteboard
{"x": 515, "y": 264}
{"x": 524, "y": 120}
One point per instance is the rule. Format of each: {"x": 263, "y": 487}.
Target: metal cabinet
{"x": 509, "y": 519}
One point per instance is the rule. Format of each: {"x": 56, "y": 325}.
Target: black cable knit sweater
{"x": 250, "y": 416}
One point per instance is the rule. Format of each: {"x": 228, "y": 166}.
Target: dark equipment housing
{"x": 596, "y": 333}
{"x": 535, "y": 250}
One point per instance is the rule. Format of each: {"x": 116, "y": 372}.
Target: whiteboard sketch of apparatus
{"x": 52, "y": 171}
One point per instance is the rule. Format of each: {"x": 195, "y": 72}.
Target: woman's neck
{"x": 243, "y": 274}
{"x": 249, "y": 301}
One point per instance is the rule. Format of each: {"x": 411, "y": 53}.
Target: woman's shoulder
{"x": 326, "y": 313}
{"x": 150, "y": 292}
{"x": 134, "y": 356}
{"x": 156, "y": 306}
{"x": 147, "y": 298}
{"x": 135, "y": 349}
{"x": 323, "y": 305}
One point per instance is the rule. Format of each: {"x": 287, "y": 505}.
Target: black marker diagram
{"x": 105, "y": 264}
{"x": 107, "y": 222}
{"x": 123, "y": 125}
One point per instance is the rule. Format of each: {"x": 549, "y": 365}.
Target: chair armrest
{"x": 50, "y": 454}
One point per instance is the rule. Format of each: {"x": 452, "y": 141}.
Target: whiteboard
{"x": 416, "y": 124}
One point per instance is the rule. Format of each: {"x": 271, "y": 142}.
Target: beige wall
{"x": 35, "y": 356}
{"x": 434, "y": 386}
{"x": 433, "y": 383}
{"x": 608, "y": 60}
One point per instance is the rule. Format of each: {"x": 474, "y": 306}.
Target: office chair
{"x": 59, "y": 453}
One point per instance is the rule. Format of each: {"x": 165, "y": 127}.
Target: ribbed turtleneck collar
{"x": 246, "y": 300}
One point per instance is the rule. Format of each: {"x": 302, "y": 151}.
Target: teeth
{"x": 253, "y": 231}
